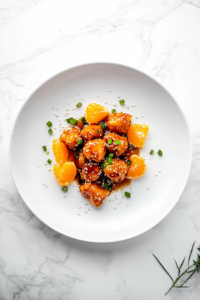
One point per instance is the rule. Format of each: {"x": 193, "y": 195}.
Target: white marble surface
{"x": 42, "y": 37}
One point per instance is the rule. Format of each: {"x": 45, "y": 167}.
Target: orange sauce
{"x": 122, "y": 185}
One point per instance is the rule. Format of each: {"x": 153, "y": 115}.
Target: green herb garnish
{"x": 109, "y": 141}
{"x": 79, "y": 142}
{"x": 160, "y": 152}
{"x": 190, "y": 270}
{"x": 83, "y": 120}
{"x": 103, "y": 165}
{"x": 76, "y": 155}
{"x": 72, "y": 121}
{"x": 117, "y": 142}
{"x": 44, "y": 148}
{"x": 151, "y": 152}
{"x": 122, "y": 101}
{"x": 98, "y": 131}
{"x": 129, "y": 162}
{"x": 50, "y": 131}
{"x": 110, "y": 160}
{"x": 107, "y": 187}
{"x": 49, "y": 161}
{"x": 79, "y": 104}
{"x": 114, "y": 111}
{"x": 102, "y": 125}
{"x": 64, "y": 189}
{"x": 128, "y": 195}
{"x": 110, "y": 155}
{"x": 132, "y": 147}
{"x": 49, "y": 124}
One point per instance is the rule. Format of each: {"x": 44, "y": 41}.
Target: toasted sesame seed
{"x": 45, "y": 164}
{"x": 97, "y": 95}
{"x": 105, "y": 102}
{"x": 131, "y": 105}
{"x": 128, "y": 106}
{"x": 109, "y": 90}
{"x": 50, "y": 169}
{"x": 65, "y": 196}
{"x": 52, "y": 107}
{"x": 134, "y": 105}
{"x": 118, "y": 97}
{"x": 148, "y": 188}
{"x": 43, "y": 183}
{"x": 86, "y": 212}
{"x": 136, "y": 117}
{"x": 159, "y": 171}
{"x": 47, "y": 152}
{"x": 78, "y": 214}
{"x": 114, "y": 104}
{"x": 86, "y": 204}
{"x": 46, "y": 185}
{"x": 57, "y": 108}
{"x": 79, "y": 207}
{"x": 88, "y": 208}
{"x": 78, "y": 93}
{"x": 57, "y": 115}
{"x": 114, "y": 207}
{"x": 82, "y": 98}
{"x": 68, "y": 102}
{"x": 142, "y": 116}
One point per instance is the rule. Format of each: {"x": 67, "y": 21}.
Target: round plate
{"x": 152, "y": 197}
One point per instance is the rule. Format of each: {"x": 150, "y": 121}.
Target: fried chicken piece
{"x": 130, "y": 152}
{"x": 95, "y": 150}
{"x": 80, "y": 161}
{"x": 119, "y": 122}
{"x": 118, "y": 145}
{"x": 116, "y": 171}
{"x": 95, "y": 194}
{"x": 91, "y": 132}
{"x": 91, "y": 172}
{"x": 70, "y": 137}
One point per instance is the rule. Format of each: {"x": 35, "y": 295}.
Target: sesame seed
{"x": 46, "y": 185}
{"x": 43, "y": 183}
{"x": 136, "y": 117}
{"x": 50, "y": 169}
{"x": 64, "y": 196}
{"x": 118, "y": 97}
{"x": 79, "y": 207}
{"x": 97, "y": 95}
{"x": 78, "y": 93}
{"x": 142, "y": 116}
{"x": 114, "y": 207}
{"x": 78, "y": 214}
{"x": 131, "y": 105}
{"x": 150, "y": 158}
{"x": 109, "y": 90}
{"x": 128, "y": 106}
{"x": 86, "y": 212}
{"x": 82, "y": 98}
{"x": 114, "y": 104}
{"x": 88, "y": 208}
{"x": 57, "y": 108}
{"x": 127, "y": 205}
{"x": 52, "y": 107}
{"x": 57, "y": 115}
{"x": 148, "y": 188}
{"x": 47, "y": 152}
{"x": 134, "y": 105}
{"x": 67, "y": 108}
{"x": 105, "y": 102}
{"x": 68, "y": 102}
{"x": 86, "y": 204}
{"x": 45, "y": 164}
{"x": 159, "y": 171}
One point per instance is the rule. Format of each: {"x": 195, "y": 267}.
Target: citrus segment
{"x": 137, "y": 134}
{"x": 137, "y": 167}
{"x": 60, "y": 151}
{"x": 71, "y": 156}
{"x": 66, "y": 173}
{"x": 95, "y": 113}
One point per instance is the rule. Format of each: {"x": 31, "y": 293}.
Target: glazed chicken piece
{"x": 94, "y": 193}
{"x": 80, "y": 161}
{"x": 70, "y": 137}
{"x": 130, "y": 152}
{"x": 116, "y": 171}
{"x": 95, "y": 150}
{"x": 115, "y": 143}
{"x": 91, "y": 132}
{"x": 119, "y": 122}
{"x": 91, "y": 172}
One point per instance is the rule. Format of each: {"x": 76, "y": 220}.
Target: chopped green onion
{"x": 102, "y": 125}
{"x": 103, "y": 165}
{"x": 50, "y": 131}
{"x": 83, "y": 120}
{"x": 98, "y": 131}
{"x": 129, "y": 162}
{"x": 132, "y": 147}
{"x": 128, "y": 195}
{"x": 49, "y": 124}
{"x": 160, "y": 152}
{"x": 110, "y": 155}
{"x": 151, "y": 152}
{"x": 79, "y": 104}
{"x": 49, "y": 161}
{"x": 114, "y": 111}
{"x": 107, "y": 187}
{"x": 64, "y": 189}
{"x": 44, "y": 148}
{"x": 109, "y": 141}
{"x": 76, "y": 155}
{"x": 72, "y": 121}
{"x": 117, "y": 142}
{"x": 121, "y": 101}
{"x": 110, "y": 160}
{"x": 79, "y": 142}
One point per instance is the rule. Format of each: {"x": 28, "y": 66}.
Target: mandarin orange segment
{"x": 137, "y": 167}
{"x": 66, "y": 173}
{"x": 95, "y": 113}
{"x": 137, "y": 134}
{"x": 60, "y": 151}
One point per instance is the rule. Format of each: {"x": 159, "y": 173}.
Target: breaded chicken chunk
{"x": 91, "y": 172}
{"x": 95, "y": 150}
{"x": 94, "y": 193}
{"x": 115, "y": 143}
{"x": 119, "y": 122}
{"x": 70, "y": 137}
{"x": 80, "y": 161}
{"x": 116, "y": 171}
{"x": 91, "y": 132}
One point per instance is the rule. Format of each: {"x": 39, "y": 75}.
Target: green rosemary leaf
{"x": 188, "y": 278}
{"x": 163, "y": 267}
{"x": 190, "y": 253}
{"x": 181, "y": 266}
{"x": 176, "y": 265}
{"x": 179, "y": 286}
{"x": 191, "y": 271}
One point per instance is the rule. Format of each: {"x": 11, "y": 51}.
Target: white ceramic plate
{"x": 168, "y": 132}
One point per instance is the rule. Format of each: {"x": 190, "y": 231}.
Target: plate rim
{"x": 190, "y": 148}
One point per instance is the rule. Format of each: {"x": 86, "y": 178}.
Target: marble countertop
{"x": 40, "y": 38}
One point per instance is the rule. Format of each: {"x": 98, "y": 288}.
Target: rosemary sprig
{"x": 195, "y": 268}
